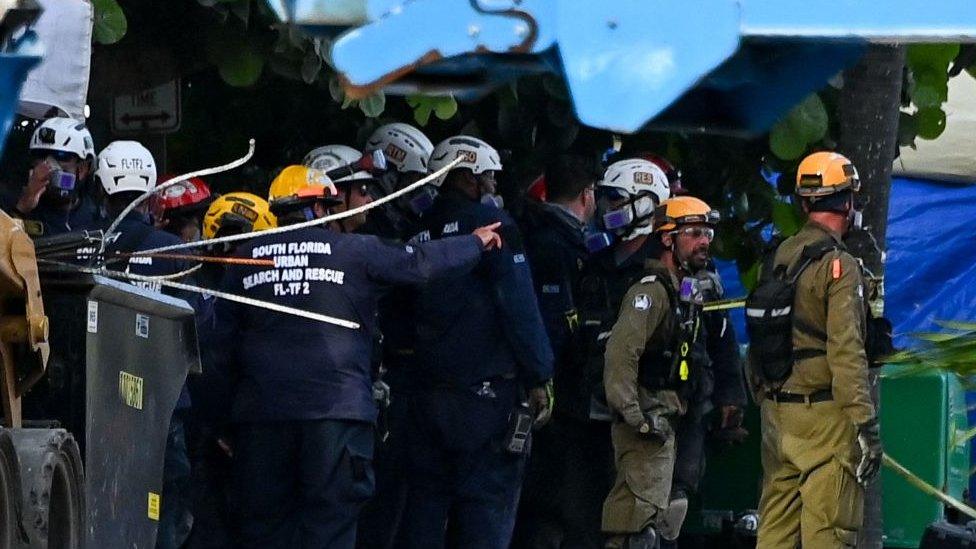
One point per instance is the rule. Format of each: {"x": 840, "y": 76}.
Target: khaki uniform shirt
{"x": 644, "y": 320}
{"x": 829, "y": 316}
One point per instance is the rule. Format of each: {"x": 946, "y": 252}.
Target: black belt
{"x": 822, "y": 395}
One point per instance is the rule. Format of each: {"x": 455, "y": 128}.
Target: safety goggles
{"x": 697, "y": 232}
{"x": 60, "y": 156}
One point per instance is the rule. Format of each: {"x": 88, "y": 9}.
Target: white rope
{"x": 169, "y": 183}
{"x": 313, "y": 222}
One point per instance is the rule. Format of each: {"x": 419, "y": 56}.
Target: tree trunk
{"x": 868, "y": 113}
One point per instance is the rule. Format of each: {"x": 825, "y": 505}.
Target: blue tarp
{"x": 931, "y": 269}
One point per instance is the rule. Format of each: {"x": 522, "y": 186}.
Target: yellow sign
{"x": 130, "y": 390}
{"x": 153, "y": 506}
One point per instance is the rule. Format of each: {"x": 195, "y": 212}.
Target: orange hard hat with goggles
{"x": 685, "y": 210}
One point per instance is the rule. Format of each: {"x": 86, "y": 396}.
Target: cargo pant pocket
{"x": 848, "y": 514}
{"x": 847, "y": 538}
{"x": 356, "y": 476}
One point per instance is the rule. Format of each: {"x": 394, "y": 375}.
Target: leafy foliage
{"x": 110, "y": 23}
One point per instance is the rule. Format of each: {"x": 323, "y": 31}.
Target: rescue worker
{"x": 56, "y": 199}
{"x": 354, "y": 190}
{"x": 125, "y": 171}
{"x": 481, "y": 343}
{"x": 820, "y": 433}
{"x": 568, "y": 470}
{"x": 209, "y": 449}
{"x": 654, "y": 359}
{"x": 619, "y": 244}
{"x": 179, "y": 208}
{"x": 302, "y": 403}
{"x": 407, "y": 152}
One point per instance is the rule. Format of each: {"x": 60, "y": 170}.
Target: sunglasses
{"x": 698, "y": 232}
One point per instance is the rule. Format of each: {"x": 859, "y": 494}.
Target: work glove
{"x": 381, "y": 393}
{"x": 655, "y": 427}
{"x": 541, "y": 401}
{"x": 869, "y": 439}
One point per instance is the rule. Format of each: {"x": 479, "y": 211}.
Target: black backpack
{"x": 769, "y": 313}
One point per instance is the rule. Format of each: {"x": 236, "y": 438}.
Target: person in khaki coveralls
{"x": 640, "y": 391}
{"x": 820, "y": 431}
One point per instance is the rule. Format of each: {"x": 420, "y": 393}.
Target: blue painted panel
{"x": 628, "y": 60}
{"x": 949, "y": 19}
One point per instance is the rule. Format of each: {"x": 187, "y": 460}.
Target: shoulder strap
{"x": 812, "y": 252}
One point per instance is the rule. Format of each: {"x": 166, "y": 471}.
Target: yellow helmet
{"x": 246, "y": 211}
{"x": 683, "y": 210}
{"x": 825, "y": 173}
{"x": 298, "y": 186}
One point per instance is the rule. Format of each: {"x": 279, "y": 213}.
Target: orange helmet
{"x": 825, "y": 173}
{"x": 683, "y": 210}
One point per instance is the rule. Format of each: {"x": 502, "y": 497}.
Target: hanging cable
{"x": 314, "y": 222}
{"x": 169, "y": 183}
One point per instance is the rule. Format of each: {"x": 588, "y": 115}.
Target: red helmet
{"x": 673, "y": 173}
{"x": 537, "y": 189}
{"x": 187, "y": 195}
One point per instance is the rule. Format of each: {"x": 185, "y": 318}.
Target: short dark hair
{"x": 567, "y": 176}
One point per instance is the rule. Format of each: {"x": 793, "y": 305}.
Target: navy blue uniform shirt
{"x": 557, "y": 254}
{"x": 289, "y": 368}
{"x": 485, "y": 324}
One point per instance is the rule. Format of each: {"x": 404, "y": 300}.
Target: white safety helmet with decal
{"x": 333, "y": 156}
{"x": 642, "y": 186}
{"x": 65, "y": 135}
{"x": 126, "y": 166}
{"x": 405, "y": 147}
{"x": 477, "y": 156}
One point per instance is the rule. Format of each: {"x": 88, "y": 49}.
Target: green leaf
{"x": 907, "y": 130}
{"x": 956, "y": 325}
{"x": 810, "y": 117}
{"x": 927, "y": 96}
{"x": 311, "y": 66}
{"x": 335, "y": 90}
{"x": 787, "y": 220}
{"x": 372, "y": 105}
{"x": 348, "y": 102}
{"x": 807, "y": 123}
{"x": 445, "y": 107}
{"x": 931, "y": 122}
{"x": 110, "y": 23}
{"x": 785, "y": 142}
{"x": 241, "y": 69}
{"x": 932, "y": 55}
{"x": 750, "y": 277}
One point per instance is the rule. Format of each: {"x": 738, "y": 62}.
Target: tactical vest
{"x": 676, "y": 361}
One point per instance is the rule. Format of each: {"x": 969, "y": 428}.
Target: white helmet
{"x": 126, "y": 166}
{"x": 405, "y": 147}
{"x": 643, "y": 185}
{"x": 64, "y": 135}
{"x": 333, "y": 156}
{"x": 478, "y": 156}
